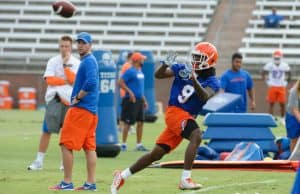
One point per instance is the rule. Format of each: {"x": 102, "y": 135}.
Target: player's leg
{"x": 293, "y": 144}
{"x": 37, "y": 164}
{"x": 271, "y": 96}
{"x": 67, "y": 156}
{"x": 282, "y": 101}
{"x": 120, "y": 176}
{"x": 127, "y": 116}
{"x": 89, "y": 147}
{"x": 192, "y": 133}
{"x": 140, "y": 117}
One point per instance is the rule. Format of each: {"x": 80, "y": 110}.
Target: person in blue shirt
{"x": 134, "y": 101}
{"x": 238, "y": 81}
{"x": 79, "y": 127}
{"x": 273, "y": 20}
{"x": 192, "y": 86}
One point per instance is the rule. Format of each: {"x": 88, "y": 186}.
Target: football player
{"x": 193, "y": 85}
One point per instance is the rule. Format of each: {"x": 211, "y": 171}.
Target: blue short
{"x": 292, "y": 126}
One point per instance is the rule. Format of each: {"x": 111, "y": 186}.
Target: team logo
{"x": 184, "y": 74}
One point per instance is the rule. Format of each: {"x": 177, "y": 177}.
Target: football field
{"x": 19, "y": 137}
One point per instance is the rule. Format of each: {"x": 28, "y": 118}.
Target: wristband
{"x": 76, "y": 97}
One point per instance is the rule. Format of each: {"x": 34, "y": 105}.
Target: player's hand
{"x": 146, "y": 105}
{"x": 132, "y": 97}
{"x": 170, "y": 58}
{"x": 252, "y": 106}
{"x": 66, "y": 58}
{"x": 74, "y": 100}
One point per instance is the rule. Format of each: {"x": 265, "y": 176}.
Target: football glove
{"x": 170, "y": 58}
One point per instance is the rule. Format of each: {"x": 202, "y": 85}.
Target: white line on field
{"x": 231, "y": 185}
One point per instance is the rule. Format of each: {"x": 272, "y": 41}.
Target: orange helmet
{"x": 204, "y": 56}
{"x": 277, "y": 53}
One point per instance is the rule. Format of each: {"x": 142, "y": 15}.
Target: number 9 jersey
{"x": 183, "y": 94}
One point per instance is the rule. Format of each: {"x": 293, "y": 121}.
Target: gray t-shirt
{"x": 293, "y": 101}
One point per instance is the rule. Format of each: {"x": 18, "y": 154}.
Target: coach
{"x": 134, "y": 102}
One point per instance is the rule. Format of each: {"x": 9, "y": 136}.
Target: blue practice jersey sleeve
{"x": 249, "y": 82}
{"x": 91, "y": 75}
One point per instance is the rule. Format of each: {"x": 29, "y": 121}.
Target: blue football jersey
{"x": 183, "y": 94}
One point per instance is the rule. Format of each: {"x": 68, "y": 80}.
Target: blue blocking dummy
{"x": 223, "y": 102}
{"x": 148, "y": 70}
{"x": 106, "y": 133}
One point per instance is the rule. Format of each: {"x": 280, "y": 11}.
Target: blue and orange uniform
{"x": 81, "y": 120}
{"x": 184, "y": 105}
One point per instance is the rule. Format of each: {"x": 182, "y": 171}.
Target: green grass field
{"x": 19, "y": 136}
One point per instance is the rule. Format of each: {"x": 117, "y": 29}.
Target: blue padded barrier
{"x": 239, "y": 119}
{"x": 223, "y": 102}
{"x": 216, "y": 132}
{"x": 148, "y": 70}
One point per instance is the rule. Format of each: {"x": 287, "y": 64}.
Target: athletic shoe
{"x": 282, "y": 120}
{"x": 35, "y": 165}
{"x": 61, "y": 167}
{"x": 141, "y": 148}
{"x": 62, "y": 186}
{"x": 123, "y": 147}
{"x": 87, "y": 187}
{"x": 117, "y": 183}
{"x": 188, "y": 184}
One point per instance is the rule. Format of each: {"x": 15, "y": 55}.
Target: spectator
{"x": 59, "y": 75}
{"x": 124, "y": 68}
{"x": 277, "y": 82}
{"x": 273, "y": 20}
{"x": 293, "y": 115}
{"x": 81, "y": 120}
{"x": 238, "y": 81}
{"x": 134, "y": 101}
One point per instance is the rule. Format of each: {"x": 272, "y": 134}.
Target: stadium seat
{"x": 32, "y": 28}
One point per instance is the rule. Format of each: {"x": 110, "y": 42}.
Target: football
{"x": 64, "y": 8}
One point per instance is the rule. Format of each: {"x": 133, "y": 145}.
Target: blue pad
{"x": 223, "y": 102}
{"x": 217, "y": 132}
{"x": 148, "y": 70}
{"x": 240, "y": 119}
{"x": 228, "y": 145}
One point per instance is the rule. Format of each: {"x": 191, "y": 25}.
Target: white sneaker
{"x": 132, "y": 130}
{"x": 117, "y": 183}
{"x": 188, "y": 184}
{"x": 282, "y": 120}
{"x": 61, "y": 168}
{"x": 35, "y": 165}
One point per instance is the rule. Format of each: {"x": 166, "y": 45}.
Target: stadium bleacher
{"x": 29, "y": 29}
{"x": 259, "y": 42}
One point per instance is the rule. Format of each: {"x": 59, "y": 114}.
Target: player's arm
{"x": 70, "y": 75}
{"x": 251, "y": 94}
{"x": 164, "y": 71}
{"x": 296, "y": 113}
{"x": 203, "y": 93}
{"x": 263, "y": 74}
{"x": 55, "y": 81}
{"x": 124, "y": 86}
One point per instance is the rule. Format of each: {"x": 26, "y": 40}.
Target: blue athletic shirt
{"x": 87, "y": 79}
{"x": 238, "y": 83}
{"x": 183, "y": 94}
{"x": 134, "y": 79}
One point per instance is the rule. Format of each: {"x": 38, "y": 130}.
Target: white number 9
{"x": 186, "y": 93}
